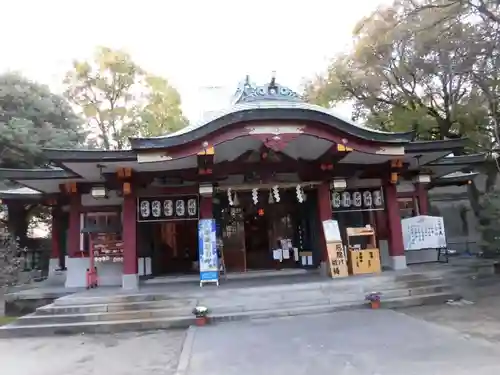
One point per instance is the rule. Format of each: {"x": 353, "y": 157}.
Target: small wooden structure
{"x": 362, "y": 261}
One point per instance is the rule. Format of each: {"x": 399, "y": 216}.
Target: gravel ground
{"x": 119, "y": 354}
{"x": 478, "y": 318}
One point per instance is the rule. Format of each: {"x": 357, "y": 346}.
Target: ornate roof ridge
{"x": 249, "y": 92}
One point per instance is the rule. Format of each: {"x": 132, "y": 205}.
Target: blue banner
{"x": 207, "y": 250}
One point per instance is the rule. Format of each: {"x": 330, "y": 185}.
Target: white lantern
{"x": 255, "y": 196}
{"x": 276, "y": 193}
{"x": 270, "y": 200}
{"x": 299, "y": 193}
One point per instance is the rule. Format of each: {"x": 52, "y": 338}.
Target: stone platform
{"x": 161, "y": 306}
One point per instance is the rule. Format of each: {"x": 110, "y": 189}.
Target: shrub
{"x": 11, "y": 260}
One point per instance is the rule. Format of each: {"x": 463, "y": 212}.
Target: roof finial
{"x": 247, "y": 80}
{"x": 273, "y": 79}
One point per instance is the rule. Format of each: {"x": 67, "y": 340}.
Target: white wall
{"x": 109, "y": 273}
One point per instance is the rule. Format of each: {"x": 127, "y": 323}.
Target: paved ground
{"x": 352, "y": 342}
{"x": 355, "y": 342}
{"x": 120, "y": 354}
{"x": 445, "y": 339}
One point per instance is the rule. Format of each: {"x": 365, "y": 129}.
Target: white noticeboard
{"x": 423, "y": 232}
{"x": 332, "y": 231}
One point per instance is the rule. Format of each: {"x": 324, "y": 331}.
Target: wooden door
{"x": 233, "y": 239}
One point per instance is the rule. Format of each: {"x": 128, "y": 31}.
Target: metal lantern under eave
{"x": 99, "y": 192}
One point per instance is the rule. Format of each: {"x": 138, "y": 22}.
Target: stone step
{"x": 450, "y": 273}
{"x": 54, "y": 309}
{"x": 19, "y": 330}
{"x": 33, "y": 319}
{"x": 238, "y": 299}
{"x": 326, "y": 297}
{"x": 116, "y": 326}
{"x": 395, "y": 303}
{"x": 445, "y": 270}
{"x": 357, "y": 284}
{"x": 219, "y": 307}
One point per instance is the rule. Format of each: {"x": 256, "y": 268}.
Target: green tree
{"x": 119, "y": 99}
{"x": 487, "y": 10}
{"x": 399, "y": 79}
{"x": 31, "y": 117}
{"x": 162, "y": 112}
{"x": 425, "y": 66}
{"x": 489, "y": 217}
{"x": 11, "y": 261}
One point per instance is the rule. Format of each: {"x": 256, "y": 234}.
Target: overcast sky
{"x": 196, "y": 44}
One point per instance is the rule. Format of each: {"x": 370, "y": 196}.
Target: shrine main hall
{"x": 270, "y": 169}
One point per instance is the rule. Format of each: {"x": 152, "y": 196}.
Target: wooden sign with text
{"x": 337, "y": 261}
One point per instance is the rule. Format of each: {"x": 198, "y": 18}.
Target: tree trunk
{"x": 18, "y": 221}
{"x": 474, "y": 194}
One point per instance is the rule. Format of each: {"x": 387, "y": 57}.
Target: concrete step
{"x": 19, "y": 330}
{"x": 357, "y": 284}
{"x": 103, "y": 317}
{"x": 37, "y": 330}
{"x": 99, "y": 312}
{"x": 332, "y": 296}
{"x": 395, "y": 303}
{"x": 54, "y": 309}
{"x": 445, "y": 270}
{"x": 216, "y": 306}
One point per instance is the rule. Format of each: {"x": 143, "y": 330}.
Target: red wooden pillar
{"x": 55, "y": 253}
{"x": 395, "y": 235}
{"x": 206, "y": 208}
{"x": 325, "y": 213}
{"x": 421, "y": 195}
{"x": 74, "y": 231}
{"x": 130, "y": 279}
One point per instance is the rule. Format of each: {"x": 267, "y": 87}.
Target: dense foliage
{"x": 431, "y": 66}
{"x": 119, "y": 99}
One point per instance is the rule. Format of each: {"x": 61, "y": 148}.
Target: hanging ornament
{"x": 276, "y": 193}
{"x": 255, "y": 196}
{"x": 236, "y": 201}
{"x": 299, "y": 193}
{"x": 271, "y": 199}
{"x": 230, "y": 197}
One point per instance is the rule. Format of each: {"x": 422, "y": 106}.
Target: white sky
{"x": 196, "y": 44}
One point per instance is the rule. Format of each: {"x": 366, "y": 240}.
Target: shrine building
{"x": 270, "y": 167}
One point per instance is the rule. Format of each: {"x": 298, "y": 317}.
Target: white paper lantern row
{"x": 107, "y": 259}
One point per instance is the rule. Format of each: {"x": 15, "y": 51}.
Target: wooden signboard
{"x": 337, "y": 262}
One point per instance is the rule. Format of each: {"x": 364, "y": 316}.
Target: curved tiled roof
{"x": 268, "y": 110}
{"x": 271, "y": 101}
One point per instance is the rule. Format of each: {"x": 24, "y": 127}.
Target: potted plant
{"x": 201, "y": 314}
{"x": 374, "y": 299}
